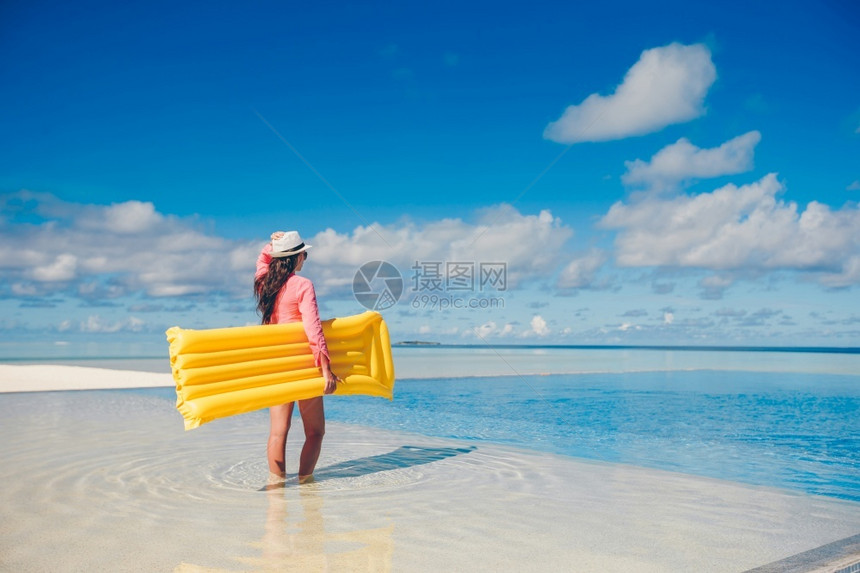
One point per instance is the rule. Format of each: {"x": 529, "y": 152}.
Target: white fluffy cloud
{"x": 490, "y": 329}
{"x": 96, "y": 251}
{"x": 666, "y": 86}
{"x": 539, "y": 326}
{"x": 581, "y": 272}
{"x": 96, "y": 324}
{"x": 739, "y": 229}
{"x": 682, "y": 160}
{"x": 529, "y": 245}
{"x": 55, "y": 269}
{"x": 127, "y": 218}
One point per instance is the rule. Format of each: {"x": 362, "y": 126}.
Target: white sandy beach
{"x": 49, "y": 377}
{"x": 110, "y": 481}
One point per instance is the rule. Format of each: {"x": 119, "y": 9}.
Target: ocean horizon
{"x": 8, "y": 348}
{"x": 693, "y": 347}
{"x": 459, "y": 360}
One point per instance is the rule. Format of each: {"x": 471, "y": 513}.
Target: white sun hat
{"x": 288, "y": 245}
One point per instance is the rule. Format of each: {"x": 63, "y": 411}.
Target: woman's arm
{"x": 263, "y": 261}
{"x": 309, "y": 310}
{"x": 265, "y": 256}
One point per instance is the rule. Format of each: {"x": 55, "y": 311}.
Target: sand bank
{"x": 110, "y": 481}
{"x": 52, "y": 377}
{"x": 48, "y": 377}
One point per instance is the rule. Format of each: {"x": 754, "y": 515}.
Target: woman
{"x": 282, "y": 296}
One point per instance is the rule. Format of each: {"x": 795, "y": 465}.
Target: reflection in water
{"x": 295, "y": 537}
{"x": 293, "y": 542}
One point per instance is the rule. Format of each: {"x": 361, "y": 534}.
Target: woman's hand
{"x": 331, "y": 383}
{"x": 277, "y": 235}
{"x": 330, "y": 378}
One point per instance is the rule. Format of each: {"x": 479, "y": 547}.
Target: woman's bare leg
{"x": 313, "y": 419}
{"x": 280, "y": 418}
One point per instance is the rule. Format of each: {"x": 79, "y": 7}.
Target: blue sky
{"x": 648, "y": 173}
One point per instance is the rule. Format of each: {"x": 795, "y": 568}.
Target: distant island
{"x": 416, "y": 343}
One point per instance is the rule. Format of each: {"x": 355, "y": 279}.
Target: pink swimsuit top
{"x": 297, "y": 302}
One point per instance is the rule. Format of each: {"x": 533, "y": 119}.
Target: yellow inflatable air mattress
{"x": 226, "y": 371}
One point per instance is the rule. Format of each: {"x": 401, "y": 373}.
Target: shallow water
{"x": 783, "y": 429}
{"x": 108, "y": 480}
{"x": 783, "y": 419}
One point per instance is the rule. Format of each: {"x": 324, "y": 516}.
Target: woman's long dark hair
{"x": 267, "y": 286}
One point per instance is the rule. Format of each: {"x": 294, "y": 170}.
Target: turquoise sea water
{"x": 781, "y": 419}
{"x": 796, "y": 431}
